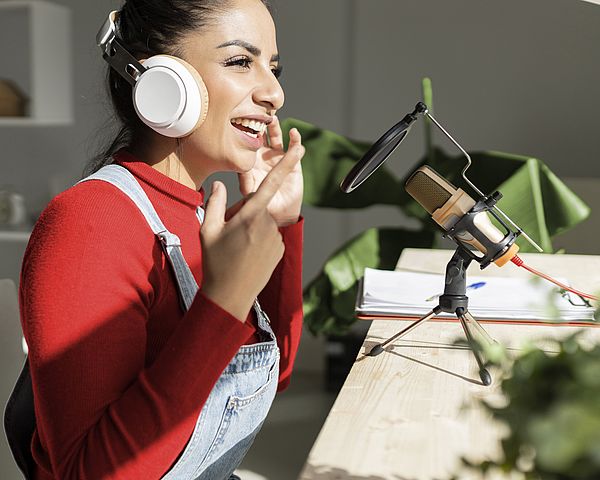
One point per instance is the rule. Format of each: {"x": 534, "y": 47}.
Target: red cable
{"x": 519, "y": 263}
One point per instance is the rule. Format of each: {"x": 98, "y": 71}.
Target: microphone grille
{"x": 428, "y": 188}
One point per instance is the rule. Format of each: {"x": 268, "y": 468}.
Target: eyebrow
{"x": 248, "y": 46}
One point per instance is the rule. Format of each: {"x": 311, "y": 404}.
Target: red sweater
{"x": 120, "y": 373}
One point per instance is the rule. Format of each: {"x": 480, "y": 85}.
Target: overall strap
{"x": 123, "y": 179}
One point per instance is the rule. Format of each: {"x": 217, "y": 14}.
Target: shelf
{"x": 35, "y": 53}
{"x": 14, "y": 236}
{"x": 31, "y": 122}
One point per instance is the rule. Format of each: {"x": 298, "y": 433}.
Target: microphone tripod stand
{"x": 454, "y": 300}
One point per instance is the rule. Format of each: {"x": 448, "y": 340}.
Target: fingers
{"x": 296, "y": 141}
{"x": 275, "y": 134}
{"x": 276, "y": 176}
{"x": 215, "y": 208}
{"x": 246, "y": 182}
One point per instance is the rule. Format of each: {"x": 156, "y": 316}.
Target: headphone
{"x": 168, "y": 93}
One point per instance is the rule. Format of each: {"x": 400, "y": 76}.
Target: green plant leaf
{"x": 329, "y": 299}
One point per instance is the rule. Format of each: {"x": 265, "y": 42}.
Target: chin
{"x": 243, "y": 164}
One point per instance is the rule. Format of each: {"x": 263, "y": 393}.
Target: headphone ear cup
{"x": 170, "y": 96}
{"x": 203, "y": 91}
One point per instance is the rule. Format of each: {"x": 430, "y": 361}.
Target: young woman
{"x": 159, "y": 328}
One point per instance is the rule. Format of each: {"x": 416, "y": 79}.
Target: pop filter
{"x": 380, "y": 150}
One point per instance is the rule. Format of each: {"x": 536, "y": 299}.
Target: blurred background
{"x": 511, "y": 76}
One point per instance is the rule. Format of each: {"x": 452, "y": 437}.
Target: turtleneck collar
{"x": 160, "y": 181}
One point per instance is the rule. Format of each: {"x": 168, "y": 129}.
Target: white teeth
{"x": 255, "y": 125}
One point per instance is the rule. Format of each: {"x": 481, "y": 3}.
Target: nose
{"x": 269, "y": 92}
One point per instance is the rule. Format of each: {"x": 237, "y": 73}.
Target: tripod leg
{"x": 485, "y": 376}
{"x": 473, "y": 321}
{"x": 377, "y": 349}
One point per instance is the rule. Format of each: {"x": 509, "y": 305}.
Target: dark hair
{"x": 146, "y": 28}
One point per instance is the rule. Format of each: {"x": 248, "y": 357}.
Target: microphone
{"x": 390, "y": 140}
{"x": 463, "y": 219}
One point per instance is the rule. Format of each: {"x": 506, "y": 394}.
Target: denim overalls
{"x": 242, "y": 396}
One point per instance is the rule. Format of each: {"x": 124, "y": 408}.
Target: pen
{"x": 473, "y": 286}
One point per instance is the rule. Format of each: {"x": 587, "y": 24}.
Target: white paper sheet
{"x": 401, "y": 293}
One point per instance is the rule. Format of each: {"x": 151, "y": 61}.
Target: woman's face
{"x": 237, "y": 59}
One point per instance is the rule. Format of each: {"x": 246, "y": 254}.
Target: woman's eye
{"x": 243, "y": 62}
{"x": 277, "y": 71}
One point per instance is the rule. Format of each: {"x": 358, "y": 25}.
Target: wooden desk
{"x": 401, "y": 415}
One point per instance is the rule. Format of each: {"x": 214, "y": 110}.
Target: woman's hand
{"x": 241, "y": 250}
{"x": 285, "y": 205}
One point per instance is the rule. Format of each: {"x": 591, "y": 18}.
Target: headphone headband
{"x": 108, "y": 31}
{"x": 115, "y": 54}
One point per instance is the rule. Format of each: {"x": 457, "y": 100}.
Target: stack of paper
{"x": 401, "y": 293}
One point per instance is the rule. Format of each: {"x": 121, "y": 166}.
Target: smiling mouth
{"x": 252, "y": 128}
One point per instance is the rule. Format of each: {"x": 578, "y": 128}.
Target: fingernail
{"x": 214, "y": 187}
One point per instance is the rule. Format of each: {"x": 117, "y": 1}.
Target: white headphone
{"x": 168, "y": 93}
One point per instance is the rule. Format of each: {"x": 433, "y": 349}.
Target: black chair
{"x": 19, "y": 422}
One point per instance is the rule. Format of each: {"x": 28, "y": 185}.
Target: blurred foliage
{"x": 552, "y": 412}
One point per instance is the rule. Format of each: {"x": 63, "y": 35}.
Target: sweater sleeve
{"x": 85, "y": 295}
{"x": 282, "y": 300}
